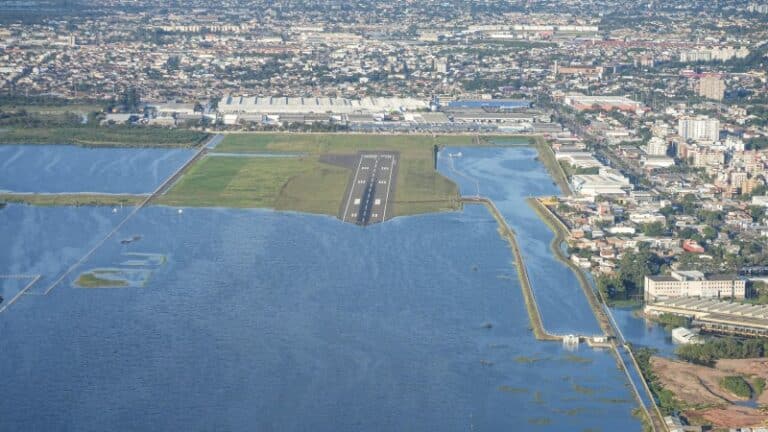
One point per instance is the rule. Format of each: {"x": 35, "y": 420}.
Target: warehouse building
{"x": 716, "y": 316}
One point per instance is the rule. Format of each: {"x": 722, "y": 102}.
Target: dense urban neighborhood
{"x": 650, "y": 117}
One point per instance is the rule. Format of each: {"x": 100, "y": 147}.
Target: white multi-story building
{"x": 712, "y": 87}
{"x": 701, "y": 128}
{"x": 656, "y": 147}
{"x": 693, "y": 284}
{"x": 712, "y": 54}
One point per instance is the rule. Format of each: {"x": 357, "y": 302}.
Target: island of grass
{"x": 93, "y": 280}
{"x": 309, "y": 180}
{"x": 43, "y": 199}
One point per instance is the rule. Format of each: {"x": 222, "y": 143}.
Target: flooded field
{"x": 263, "y": 320}
{"x": 73, "y": 169}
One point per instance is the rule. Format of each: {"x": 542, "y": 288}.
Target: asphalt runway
{"x": 370, "y": 193}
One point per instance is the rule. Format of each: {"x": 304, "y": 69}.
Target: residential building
{"x": 701, "y": 128}
{"x": 712, "y": 87}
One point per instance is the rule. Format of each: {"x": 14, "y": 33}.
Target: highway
{"x": 369, "y": 194}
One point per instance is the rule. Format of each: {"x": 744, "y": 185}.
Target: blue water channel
{"x": 74, "y": 169}
{"x": 509, "y": 175}
{"x": 262, "y": 320}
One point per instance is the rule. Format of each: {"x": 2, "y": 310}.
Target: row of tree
{"x": 723, "y": 348}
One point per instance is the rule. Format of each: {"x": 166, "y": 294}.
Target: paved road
{"x": 369, "y": 194}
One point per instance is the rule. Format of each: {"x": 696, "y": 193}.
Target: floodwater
{"x": 262, "y": 320}
{"x": 74, "y": 169}
{"x": 642, "y": 332}
{"x": 509, "y": 175}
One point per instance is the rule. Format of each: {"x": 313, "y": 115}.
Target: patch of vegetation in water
{"x": 92, "y": 280}
{"x": 510, "y": 389}
{"x": 540, "y": 421}
{"x": 528, "y": 360}
{"x": 615, "y": 400}
{"x": 570, "y": 411}
{"x": 583, "y": 390}
{"x": 572, "y": 358}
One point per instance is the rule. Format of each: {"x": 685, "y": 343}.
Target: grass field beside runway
{"x": 317, "y": 144}
{"x": 306, "y": 184}
{"x": 301, "y": 184}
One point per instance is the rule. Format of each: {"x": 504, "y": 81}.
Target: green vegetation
{"x": 547, "y": 157}
{"x": 670, "y": 321}
{"x": 91, "y": 280}
{"x": 760, "y": 293}
{"x": 528, "y": 360}
{"x": 541, "y": 421}
{"x": 571, "y": 358}
{"x": 72, "y": 199}
{"x": 122, "y": 136}
{"x": 758, "y": 385}
{"x": 305, "y": 183}
{"x": 571, "y": 170}
{"x": 415, "y": 146}
{"x": 301, "y": 184}
{"x": 631, "y": 270}
{"x": 653, "y": 229}
{"x": 665, "y": 399}
{"x": 736, "y": 385}
{"x": 582, "y": 389}
{"x": 727, "y": 348}
{"x": 510, "y": 389}
{"x": 639, "y": 413}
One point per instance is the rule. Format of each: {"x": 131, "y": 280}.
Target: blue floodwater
{"x": 640, "y": 331}
{"x": 262, "y": 320}
{"x": 509, "y": 175}
{"x": 73, "y": 169}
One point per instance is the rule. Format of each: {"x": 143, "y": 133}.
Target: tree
{"x": 690, "y": 204}
{"x": 709, "y": 233}
{"x": 653, "y": 229}
{"x": 130, "y": 99}
{"x": 757, "y": 213}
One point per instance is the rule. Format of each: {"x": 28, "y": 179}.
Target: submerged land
{"x": 310, "y": 173}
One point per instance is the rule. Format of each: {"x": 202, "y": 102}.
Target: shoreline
{"x": 547, "y": 158}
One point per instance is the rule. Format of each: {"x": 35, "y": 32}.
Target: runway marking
{"x": 352, "y": 189}
{"x": 389, "y": 187}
